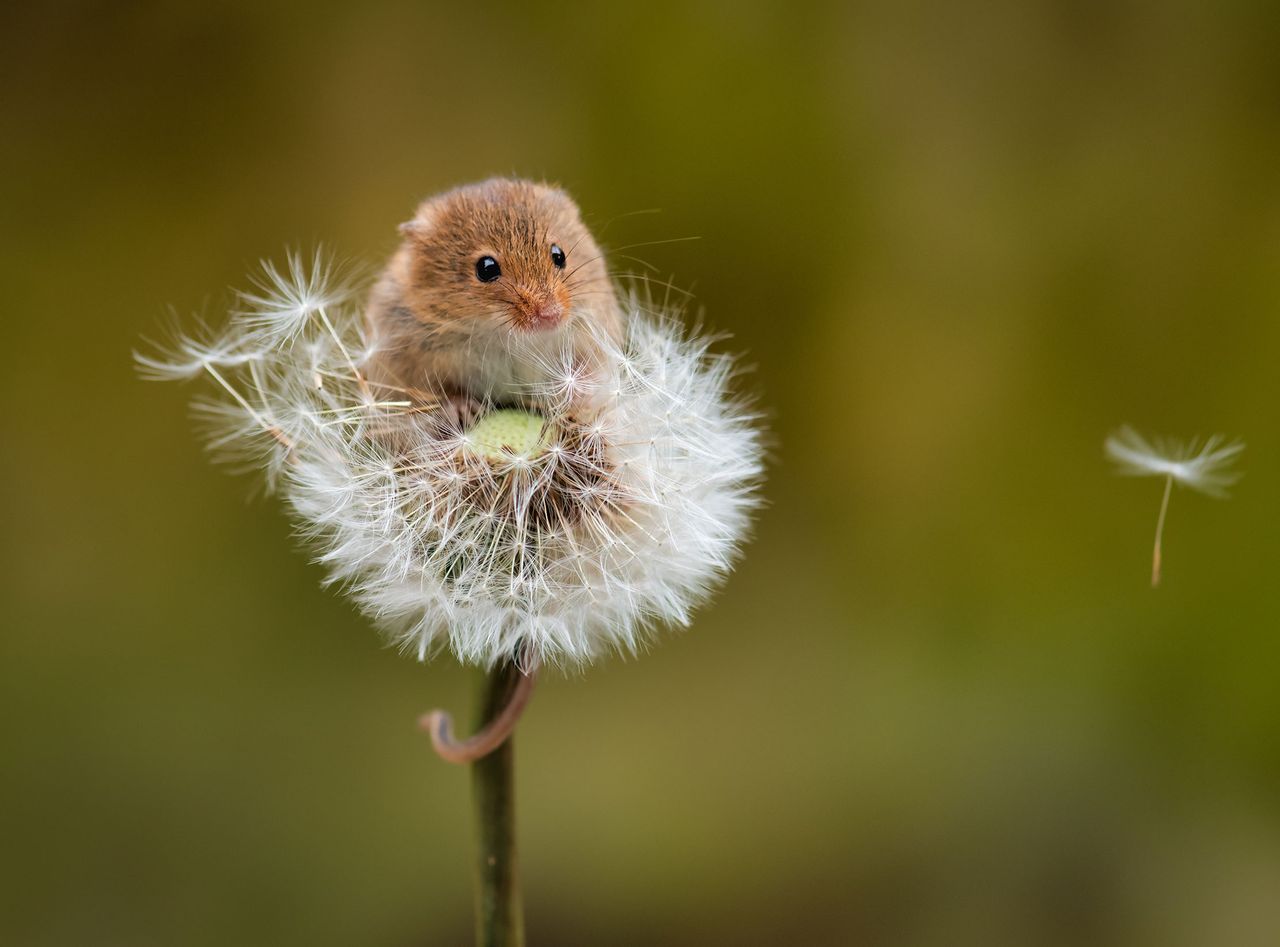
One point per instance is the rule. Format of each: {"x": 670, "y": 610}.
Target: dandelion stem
{"x": 1155, "y": 553}
{"x": 499, "y": 915}
{"x": 495, "y": 727}
{"x": 499, "y": 911}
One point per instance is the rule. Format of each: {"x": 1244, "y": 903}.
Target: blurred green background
{"x": 936, "y": 704}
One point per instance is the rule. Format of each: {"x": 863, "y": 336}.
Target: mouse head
{"x": 503, "y": 253}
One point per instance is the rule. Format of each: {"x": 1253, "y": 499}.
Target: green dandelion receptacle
{"x": 508, "y": 433}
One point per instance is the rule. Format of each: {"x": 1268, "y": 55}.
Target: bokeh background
{"x": 936, "y": 704}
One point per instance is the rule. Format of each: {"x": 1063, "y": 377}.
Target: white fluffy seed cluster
{"x": 579, "y": 537}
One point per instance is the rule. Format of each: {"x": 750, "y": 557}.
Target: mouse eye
{"x": 557, "y": 255}
{"x": 487, "y": 269}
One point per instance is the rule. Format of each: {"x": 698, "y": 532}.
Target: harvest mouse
{"x": 494, "y": 287}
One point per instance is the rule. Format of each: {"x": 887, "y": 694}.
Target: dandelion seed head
{"x": 606, "y": 504}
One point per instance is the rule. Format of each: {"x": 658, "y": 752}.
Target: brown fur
{"x": 439, "y": 331}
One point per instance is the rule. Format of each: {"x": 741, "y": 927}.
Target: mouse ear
{"x": 423, "y": 220}
{"x": 417, "y": 229}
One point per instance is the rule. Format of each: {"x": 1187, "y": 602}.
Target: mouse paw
{"x": 457, "y": 413}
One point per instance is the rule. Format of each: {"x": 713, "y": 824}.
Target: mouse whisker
{"x": 631, "y": 213}
{"x": 569, "y": 275}
{"x": 668, "y": 286}
{"x": 653, "y": 243}
{"x": 635, "y": 259}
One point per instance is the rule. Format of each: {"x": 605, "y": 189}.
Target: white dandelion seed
{"x": 538, "y": 534}
{"x": 283, "y": 302}
{"x": 1204, "y": 467}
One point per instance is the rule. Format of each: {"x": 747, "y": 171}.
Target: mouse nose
{"x": 549, "y": 312}
{"x": 541, "y": 312}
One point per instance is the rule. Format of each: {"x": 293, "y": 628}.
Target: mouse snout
{"x": 539, "y": 310}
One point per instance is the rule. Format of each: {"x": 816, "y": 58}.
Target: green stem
{"x": 499, "y": 912}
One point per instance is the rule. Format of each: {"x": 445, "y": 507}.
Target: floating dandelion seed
{"x": 535, "y": 534}
{"x": 1205, "y": 467}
